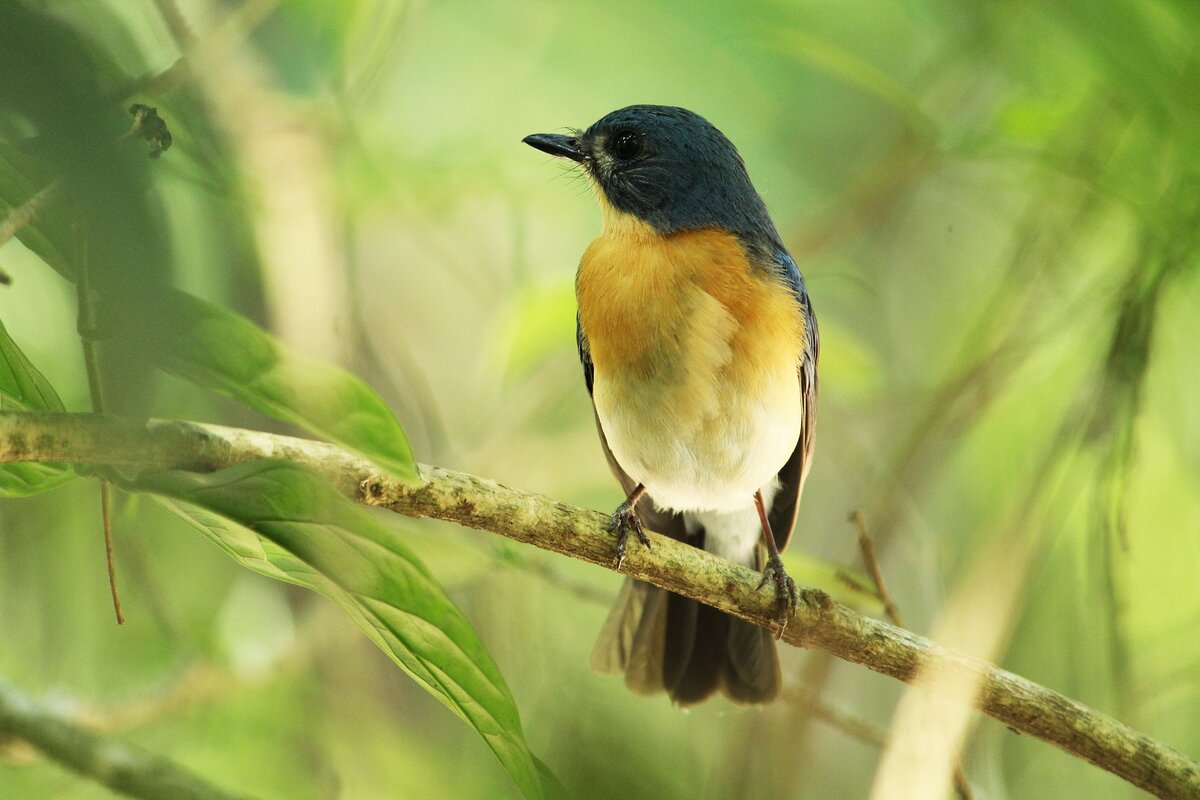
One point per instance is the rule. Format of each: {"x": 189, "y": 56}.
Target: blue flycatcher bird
{"x": 699, "y": 349}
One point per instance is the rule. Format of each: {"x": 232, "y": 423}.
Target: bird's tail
{"x": 661, "y": 641}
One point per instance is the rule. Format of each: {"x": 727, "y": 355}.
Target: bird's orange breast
{"x": 695, "y": 355}
{"x": 656, "y": 305}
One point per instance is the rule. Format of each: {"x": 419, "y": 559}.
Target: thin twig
{"x": 109, "y": 559}
{"x": 17, "y": 218}
{"x": 86, "y": 326}
{"x": 866, "y": 545}
{"x": 478, "y": 503}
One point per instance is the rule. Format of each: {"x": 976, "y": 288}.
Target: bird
{"x": 699, "y": 349}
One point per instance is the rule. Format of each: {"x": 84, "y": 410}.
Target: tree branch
{"x": 485, "y": 505}
{"x": 120, "y": 767}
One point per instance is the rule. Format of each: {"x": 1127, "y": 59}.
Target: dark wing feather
{"x": 585, "y": 358}
{"x": 793, "y": 474}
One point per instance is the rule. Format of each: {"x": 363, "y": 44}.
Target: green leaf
{"x": 552, "y": 788}
{"x": 23, "y": 387}
{"x": 286, "y": 522}
{"x": 22, "y": 480}
{"x": 20, "y": 382}
{"x": 227, "y": 353}
{"x": 23, "y": 176}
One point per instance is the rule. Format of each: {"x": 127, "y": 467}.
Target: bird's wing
{"x": 585, "y": 357}
{"x": 793, "y": 473}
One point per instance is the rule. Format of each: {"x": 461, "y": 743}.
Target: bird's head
{"x": 666, "y": 167}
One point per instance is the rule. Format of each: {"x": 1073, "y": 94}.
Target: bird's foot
{"x": 786, "y": 595}
{"x": 624, "y": 520}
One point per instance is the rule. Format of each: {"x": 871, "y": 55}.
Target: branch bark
{"x": 485, "y": 505}
{"x": 122, "y": 768}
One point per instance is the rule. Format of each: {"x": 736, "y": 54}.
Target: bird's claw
{"x": 787, "y": 597}
{"x": 624, "y": 520}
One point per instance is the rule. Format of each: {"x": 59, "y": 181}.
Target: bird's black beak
{"x": 556, "y": 145}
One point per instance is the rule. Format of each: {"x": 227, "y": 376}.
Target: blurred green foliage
{"x": 996, "y": 207}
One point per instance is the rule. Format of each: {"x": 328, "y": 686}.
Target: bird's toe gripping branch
{"x": 624, "y": 521}
{"x": 786, "y": 595}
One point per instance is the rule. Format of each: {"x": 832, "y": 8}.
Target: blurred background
{"x": 996, "y": 206}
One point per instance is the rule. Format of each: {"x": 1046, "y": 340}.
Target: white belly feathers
{"x": 702, "y": 430}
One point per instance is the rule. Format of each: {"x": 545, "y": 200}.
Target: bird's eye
{"x": 626, "y": 145}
